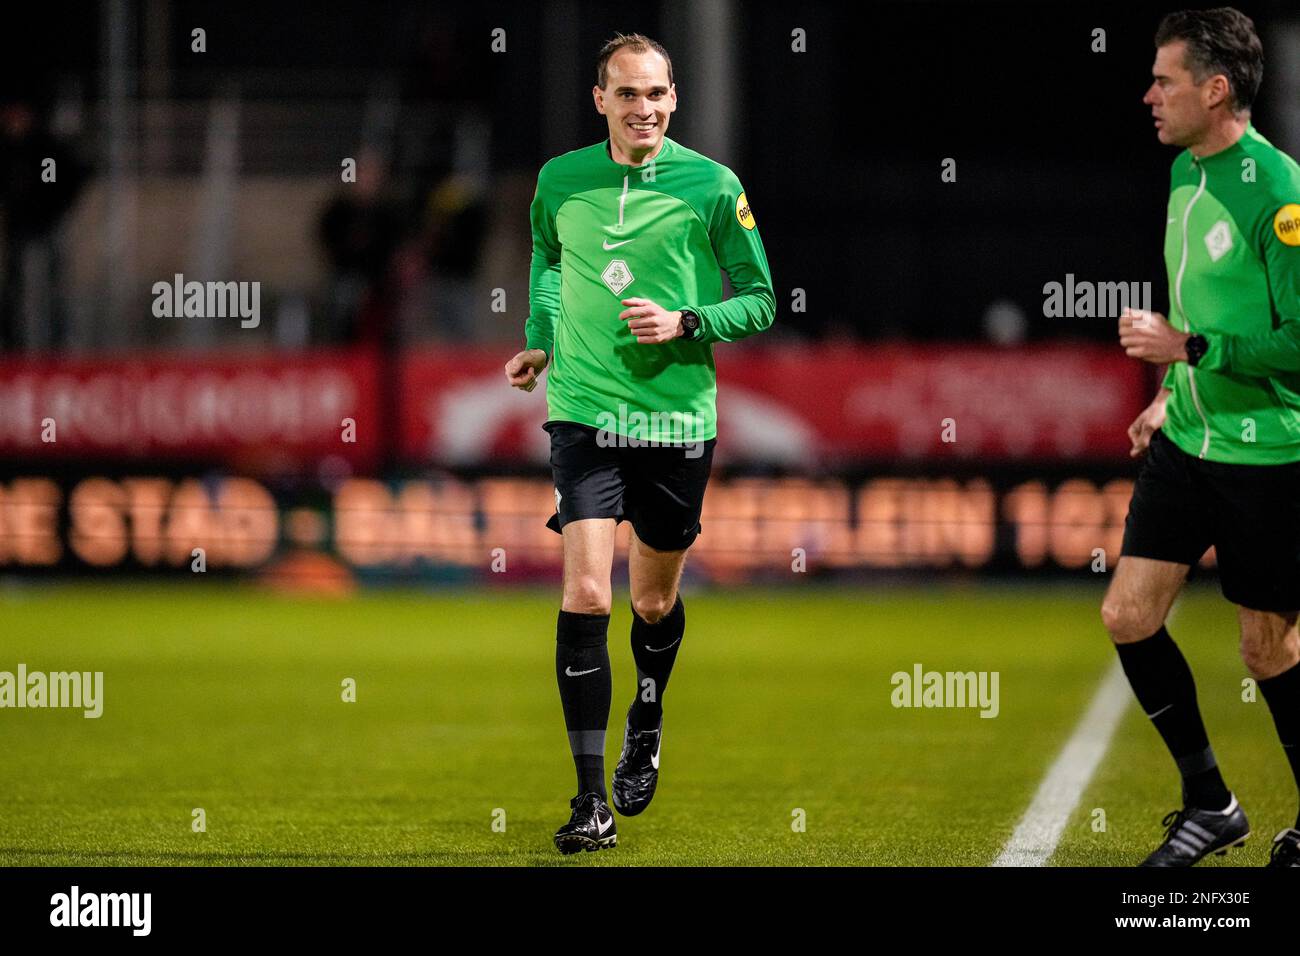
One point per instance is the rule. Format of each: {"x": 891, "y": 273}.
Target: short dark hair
{"x": 634, "y": 42}
{"x": 1222, "y": 40}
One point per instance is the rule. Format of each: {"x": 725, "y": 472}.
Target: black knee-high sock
{"x": 654, "y": 646}
{"x": 1163, "y": 683}
{"x": 1283, "y": 695}
{"x": 582, "y": 669}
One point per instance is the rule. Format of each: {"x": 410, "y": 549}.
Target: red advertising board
{"x": 820, "y": 405}
{"x": 796, "y": 406}
{"x": 262, "y": 412}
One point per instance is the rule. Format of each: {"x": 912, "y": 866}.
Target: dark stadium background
{"x": 1059, "y": 170}
{"x": 922, "y": 299}
{"x": 917, "y": 468}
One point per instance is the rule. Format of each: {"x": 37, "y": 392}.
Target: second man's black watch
{"x": 690, "y": 324}
{"x": 1196, "y": 347}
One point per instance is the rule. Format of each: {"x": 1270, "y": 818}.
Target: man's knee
{"x": 1127, "y": 621}
{"x": 1263, "y": 653}
{"x": 1268, "y": 643}
{"x": 653, "y": 608}
{"x": 585, "y": 594}
{"x": 1254, "y": 653}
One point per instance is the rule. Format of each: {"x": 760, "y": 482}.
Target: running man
{"x": 630, "y": 239}
{"x": 1223, "y": 434}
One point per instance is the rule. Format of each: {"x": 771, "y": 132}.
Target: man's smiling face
{"x": 636, "y": 101}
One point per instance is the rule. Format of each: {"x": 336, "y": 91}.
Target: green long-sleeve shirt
{"x": 664, "y": 231}
{"x": 1232, "y": 248}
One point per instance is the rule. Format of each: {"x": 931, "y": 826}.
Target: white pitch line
{"x": 1040, "y": 829}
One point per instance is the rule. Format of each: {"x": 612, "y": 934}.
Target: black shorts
{"x": 1250, "y": 513}
{"x": 660, "y": 489}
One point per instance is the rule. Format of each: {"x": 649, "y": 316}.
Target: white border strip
{"x": 1039, "y": 830}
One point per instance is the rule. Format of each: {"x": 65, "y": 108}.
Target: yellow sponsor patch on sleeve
{"x": 745, "y": 215}
{"x": 1286, "y": 224}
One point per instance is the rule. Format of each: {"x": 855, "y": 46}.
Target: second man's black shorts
{"x": 1182, "y": 505}
{"x": 660, "y": 489}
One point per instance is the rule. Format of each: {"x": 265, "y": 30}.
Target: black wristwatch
{"x": 1196, "y": 347}
{"x": 690, "y": 324}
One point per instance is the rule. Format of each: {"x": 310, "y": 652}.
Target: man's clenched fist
{"x": 649, "y": 322}
{"x": 1145, "y": 425}
{"x": 522, "y": 370}
{"x": 1150, "y": 337}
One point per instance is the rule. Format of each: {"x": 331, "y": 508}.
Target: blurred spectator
{"x": 439, "y": 296}
{"x": 32, "y": 312}
{"x": 359, "y": 231}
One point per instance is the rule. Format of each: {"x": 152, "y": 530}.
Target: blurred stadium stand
{"x": 223, "y": 161}
{"x": 376, "y": 296}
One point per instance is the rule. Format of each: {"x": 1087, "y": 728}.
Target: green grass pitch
{"x": 229, "y": 699}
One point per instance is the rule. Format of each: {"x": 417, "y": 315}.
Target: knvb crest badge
{"x": 617, "y": 276}
{"x": 1218, "y": 240}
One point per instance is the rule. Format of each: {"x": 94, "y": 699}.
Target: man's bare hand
{"x": 650, "y": 323}
{"x": 1148, "y": 336}
{"x": 522, "y": 370}
{"x": 1145, "y": 425}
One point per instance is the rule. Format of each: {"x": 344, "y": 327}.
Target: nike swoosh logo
{"x": 657, "y": 650}
{"x": 570, "y": 672}
{"x": 654, "y": 758}
{"x": 607, "y": 245}
{"x": 602, "y": 827}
